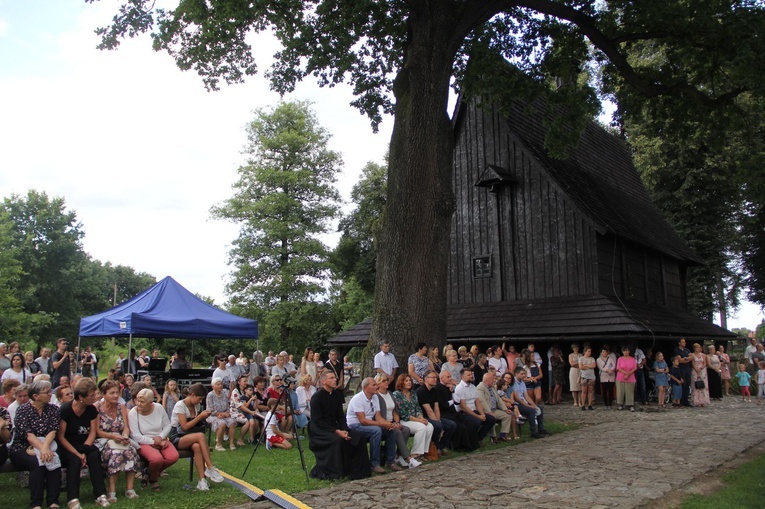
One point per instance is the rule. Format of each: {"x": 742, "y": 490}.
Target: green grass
{"x": 270, "y": 469}
{"x": 743, "y": 490}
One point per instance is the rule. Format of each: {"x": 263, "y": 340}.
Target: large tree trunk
{"x": 413, "y": 246}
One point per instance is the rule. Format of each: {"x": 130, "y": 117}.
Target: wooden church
{"x": 546, "y": 249}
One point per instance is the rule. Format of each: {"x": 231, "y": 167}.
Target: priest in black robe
{"x": 339, "y": 451}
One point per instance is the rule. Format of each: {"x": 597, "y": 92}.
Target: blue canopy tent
{"x": 168, "y": 310}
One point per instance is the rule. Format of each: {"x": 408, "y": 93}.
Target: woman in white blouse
{"x": 150, "y": 426}
{"x": 305, "y": 392}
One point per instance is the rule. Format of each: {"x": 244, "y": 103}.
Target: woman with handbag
{"x": 149, "y": 426}
{"x": 188, "y": 433}
{"x": 699, "y": 381}
{"x": 117, "y": 452}
{"x": 34, "y": 447}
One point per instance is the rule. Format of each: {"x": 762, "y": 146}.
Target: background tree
{"x": 355, "y": 257}
{"x": 55, "y": 278}
{"x": 284, "y": 200}
{"x": 401, "y": 57}
{"x": 703, "y": 165}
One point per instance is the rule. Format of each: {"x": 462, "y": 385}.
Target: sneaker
{"x": 521, "y": 420}
{"x": 213, "y": 474}
{"x": 632, "y": 409}
{"x": 268, "y": 445}
{"x": 400, "y": 461}
{"x": 220, "y": 448}
{"x": 413, "y": 463}
{"x": 202, "y": 485}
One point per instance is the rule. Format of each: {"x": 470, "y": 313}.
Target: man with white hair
{"x": 493, "y": 405}
{"x": 288, "y": 364}
{"x": 364, "y": 416}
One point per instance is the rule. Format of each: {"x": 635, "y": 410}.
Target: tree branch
{"x": 610, "y": 47}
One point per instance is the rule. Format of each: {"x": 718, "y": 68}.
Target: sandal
{"x": 155, "y": 486}
{"x": 131, "y": 494}
{"x": 112, "y": 497}
{"x": 102, "y": 501}
{"x": 54, "y": 506}
{"x": 74, "y": 504}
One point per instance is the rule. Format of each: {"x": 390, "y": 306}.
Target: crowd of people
{"x": 55, "y": 420}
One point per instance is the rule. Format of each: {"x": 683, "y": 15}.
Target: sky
{"x": 139, "y": 149}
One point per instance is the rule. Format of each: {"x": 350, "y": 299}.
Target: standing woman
{"x": 149, "y": 426}
{"x": 18, "y": 370}
{"x": 307, "y": 365}
{"x": 607, "y": 367}
{"x": 480, "y": 368}
{"x": 626, "y": 366}
{"x": 35, "y": 425}
{"x": 587, "y": 375}
{"x": 574, "y": 377}
{"x": 700, "y": 394}
{"x": 220, "y": 420}
{"x": 320, "y": 367}
{"x": 410, "y": 412}
{"x": 76, "y": 436}
{"x": 714, "y": 374}
{"x": 724, "y": 368}
{"x": 434, "y": 358}
{"x": 452, "y": 365}
{"x": 188, "y": 425}
{"x": 661, "y": 377}
{"x": 117, "y": 455}
{"x": 127, "y": 395}
{"x": 559, "y": 376}
{"x": 418, "y": 363}
{"x": 534, "y": 376}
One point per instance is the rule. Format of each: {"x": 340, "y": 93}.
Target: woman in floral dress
{"x": 117, "y": 454}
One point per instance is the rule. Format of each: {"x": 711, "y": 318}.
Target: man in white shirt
{"x": 291, "y": 368}
{"x": 270, "y": 361}
{"x": 385, "y": 362}
{"x": 364, "y": 416}
{"x": 470, "y": 408}
{"x": 43, "y": 360}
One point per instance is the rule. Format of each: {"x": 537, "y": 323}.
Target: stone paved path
{"x": 615, "y": 460}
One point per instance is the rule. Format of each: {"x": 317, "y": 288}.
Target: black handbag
{"x": 699, "y": 384}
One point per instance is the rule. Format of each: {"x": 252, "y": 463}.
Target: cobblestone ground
{"x": 617, "y": 459}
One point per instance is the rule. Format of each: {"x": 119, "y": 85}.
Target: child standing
{"x": 743, "y": 382}
{"x": 761, "y": 383}
{"x": 661, "y": 378}
{"x": 274, "y": 436}
{"x": 676, "y": 380}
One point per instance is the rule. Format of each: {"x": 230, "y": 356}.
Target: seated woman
{"x": 36, "y": 424}
{"x": 76, "y": 438}
{"x": 249, "y": 408}
{"x": 188, "y": 425}
{"x": 301, "y": 421}
{"x": 305, "y": 391}
{"x": 237, "y": 401}
{"x": 401, "y": 432}
{"x": 149, "y": 426}
{"x": 117, "y": 455}
{"x": 408, "y": 408}
{"x": 220, "y": 419}
{"x": 6, "y": 428}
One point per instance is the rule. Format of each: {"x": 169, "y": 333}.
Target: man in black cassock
{"x": 339, "y": 451}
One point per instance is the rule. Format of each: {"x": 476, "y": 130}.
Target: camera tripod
{"x": 284, "y": 396}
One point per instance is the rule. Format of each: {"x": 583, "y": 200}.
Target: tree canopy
{"x": 284, "y": 199}
{"x": 402, "y": 57}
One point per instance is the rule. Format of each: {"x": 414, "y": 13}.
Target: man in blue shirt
{"x": 526, "y": 406}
